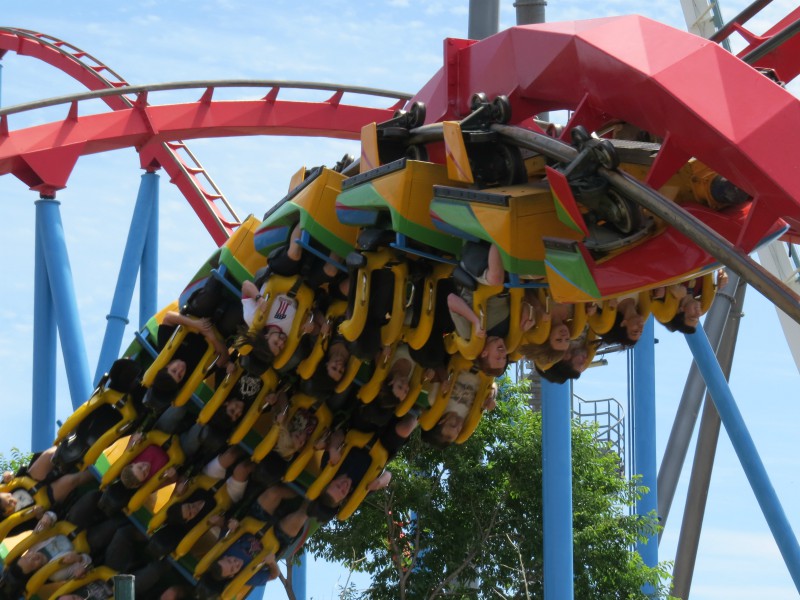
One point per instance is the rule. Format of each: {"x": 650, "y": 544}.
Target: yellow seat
{"x": 41, "y": 576}
{"x": 277, "y": 285}
{"x": 707, "y": 293}
{"x": 603, "y": 320}
{"x": 197, "y": 482}
{"x": 259, "y": 561}
{"x": 154, "y": 437}
{"x": 470, "y": 348}
{"x": 246, "y": 525}
{"x": 370, "y": 389}
{"x": 60, "y": 528}
{"x": 378, "y": 459}
{"x": 664, "y": 309}
{"x": 190, "y": 383}
{"x": 108, "y": 438}
{"x": 220, "y": 395}
{"x": 102, "y": 396}
{"x": 176, "y": 459}
{"x": 353, "y": 366}
{"x": 417, "y": 336}
{"x": 324, "y": 419}
{"x": 515, "y": 333}
{"x": 384, "y": 258}
{"x": 392, "y": 330}
{"x": 577, "y": 324}
{"x": 476, "y": 411}
{"x": 353, "y": 439}
{"x": 316, "y": 201}
{"x": 311, "y": 201}
{"x": 101, "y": 573}
{"x": 591, "y": 348}
{"x": 415, "y": 386}
{"x": 309, "y": 364}
{"x": 40, "y": 498}
{"x": 540, "y": 332}
{"x": 457, "y": 365}
{"x": 269, "y": 380}
{"x": 222, "y": 503}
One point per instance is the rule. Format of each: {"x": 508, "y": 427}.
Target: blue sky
{"x": 397, "y": 45}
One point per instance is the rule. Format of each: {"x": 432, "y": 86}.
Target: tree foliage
{"x": 466, "y": 522}
{"x": 16, "y": 459}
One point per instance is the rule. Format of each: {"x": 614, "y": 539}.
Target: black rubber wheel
{"x": 501, "y": 108}
{"x": 624, "y": 214}
{"x": 416, "y": 116}
{"x": 579, "y": 136}
{"x": 477, "y": 101}
{"x": 606, "y": 154}
{"x": 513, "y": 170}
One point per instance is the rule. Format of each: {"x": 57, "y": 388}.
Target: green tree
{"x": 467, "y": 522}
{"x": 16, "y": 459}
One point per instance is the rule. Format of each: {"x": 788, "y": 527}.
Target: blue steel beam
{"x": 298, "y": 582}
{"x": 746, "y": 451}
{"x": 43, "y": 411}
{"x": 644, "y": 450}
{"x": 299, "y": 578}
{"x": 557, "y": 490}
{"x": 148, "y": 274}
{"x": 50, "y": 232}
{"x": 126, "y": 280}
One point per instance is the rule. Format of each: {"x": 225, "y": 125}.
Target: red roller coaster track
{"x": 47, "y": 170}
{"x": 704, "y": 102}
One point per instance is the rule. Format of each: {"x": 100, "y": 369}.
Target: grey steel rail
{"x": 209, "y": 85}
{"x": 706, "y": 238}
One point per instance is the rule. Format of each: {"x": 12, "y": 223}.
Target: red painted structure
{"x": 186, "y": 173}
{"x": 704, "y": 102}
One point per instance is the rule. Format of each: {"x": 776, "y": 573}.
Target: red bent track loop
{"x": 702, "y": 100}
{"x": 185, "y": 171}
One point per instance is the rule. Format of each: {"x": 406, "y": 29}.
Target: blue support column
{"x": 126, "y": 281}
{"x": 644, "y": 450}
{"x": 43, "y": 412}
{"x": 299, "y": 578}
{"x": 746, "y": 452}
{"x": 148, "y": 274}
{"x": 298, "y": 583}
{"x": 557, "y": 490}
{"x": 50, "y": 231}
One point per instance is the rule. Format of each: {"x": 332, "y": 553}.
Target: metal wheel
{"x": 624, "y": 214}
{"x": 501, "y": 108}
{"x": 477, "y": 101}
{"x": 416, "y": 116}
{"x": 606, "y": 153}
